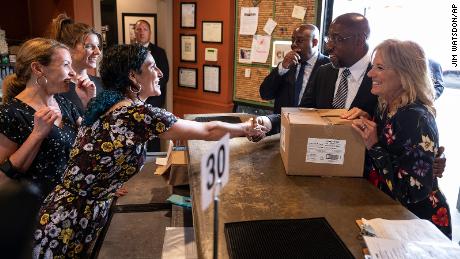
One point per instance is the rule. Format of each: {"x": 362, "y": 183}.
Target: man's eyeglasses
{"x": 336, "y": 38}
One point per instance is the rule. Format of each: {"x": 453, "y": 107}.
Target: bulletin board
{"x": 246, "y": 89}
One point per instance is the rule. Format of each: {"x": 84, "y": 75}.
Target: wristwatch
{"x": 8, "y": 169}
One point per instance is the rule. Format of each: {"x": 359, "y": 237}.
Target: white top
{"x": 357, "y": 72}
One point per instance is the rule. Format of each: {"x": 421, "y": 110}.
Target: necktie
{"x": 341, "y": 95}
{"x": 298, "y": 83}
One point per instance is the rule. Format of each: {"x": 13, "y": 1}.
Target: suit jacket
{"x": 282, "y": 88}
{"x": 162, "y": 63}
{"x": 436, "y": 76}
{"x": 320, "y": 94}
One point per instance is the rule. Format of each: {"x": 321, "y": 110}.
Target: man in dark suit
{"x": 348, "y": 51}
{"x": 142, "y": 32}
{"x": 350, "y": 62}
{"x": 283, "y": 83}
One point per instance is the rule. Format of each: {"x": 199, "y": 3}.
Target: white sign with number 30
{"x": 214, "y": 167}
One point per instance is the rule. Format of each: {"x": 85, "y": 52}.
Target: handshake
{"x": 257, "y": 128}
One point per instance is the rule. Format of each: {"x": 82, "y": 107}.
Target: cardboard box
{"x": 319, "y": 142}
{"x": 174, "y": 167}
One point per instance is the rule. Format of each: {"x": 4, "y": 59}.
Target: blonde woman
{"x": 403, "y": 138}
{"x": 83, "y": 43}
{"x": 37, "y": 126}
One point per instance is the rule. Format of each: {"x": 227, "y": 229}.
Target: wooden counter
{"x": 258, "y": 189}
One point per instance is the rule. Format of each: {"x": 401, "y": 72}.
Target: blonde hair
{"x": 65, "y": 30}
{"x": 408, "y": 60}
{"x": 35, "y": 50}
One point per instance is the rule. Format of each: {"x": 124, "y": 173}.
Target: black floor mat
{"x": 291, "y": 238}
{"x": 229, "y": 119}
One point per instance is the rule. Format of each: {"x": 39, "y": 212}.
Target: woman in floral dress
{"x": 37, "y": 125}
{"x": 403, "y": 138}
{"x": 110, "y": 148}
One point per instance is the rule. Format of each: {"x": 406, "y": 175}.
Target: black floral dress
{"x": 17, "y": 123}
{"x": 104, "y": 156}
{"x": 403, "y": 163}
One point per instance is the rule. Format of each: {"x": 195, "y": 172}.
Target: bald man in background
{"x": 283, "y": 84}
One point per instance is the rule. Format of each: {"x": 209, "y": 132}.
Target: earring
{"x": 37, "y": 81}
{"x": 138, "y": 90}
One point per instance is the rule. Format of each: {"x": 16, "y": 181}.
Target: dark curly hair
{"x": 118, "y": 62}
{"x": 116, "y": 65}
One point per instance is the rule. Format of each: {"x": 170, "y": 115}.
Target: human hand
{"x": 354, "y": 113}
{"x": 85, "y": 89}
{"x": 44, "y": 120}
{"x": 292, "y": 58}
{"x": 367, "y": 129}
{"x": 439, "y": 163}
{"x": 122, "y": 191}
{"x": 255, "y": 130}
{"x": 262, "y": 123}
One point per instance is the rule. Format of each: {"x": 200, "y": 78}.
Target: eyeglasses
{"x": 336, "y": 38}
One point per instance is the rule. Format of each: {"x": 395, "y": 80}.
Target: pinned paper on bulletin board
{"x": 270, "y": 26}
{"x": 299, "y": 12}
{"x": 244, "y": 55}
{"x": 247, "y": 72}
{"x": 248, "y": 20}
{"x": 260, "y": 48}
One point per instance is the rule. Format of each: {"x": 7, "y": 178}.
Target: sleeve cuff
{"x": 281, "y": 69}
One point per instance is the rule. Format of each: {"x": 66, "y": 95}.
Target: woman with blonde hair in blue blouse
{"x": 403, "y": 138}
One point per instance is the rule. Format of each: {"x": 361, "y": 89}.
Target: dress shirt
{"x": 306, "y": 75}
{"x": 357, "y": 72}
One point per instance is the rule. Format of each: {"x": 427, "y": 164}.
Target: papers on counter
{"x": 415, "y": 238}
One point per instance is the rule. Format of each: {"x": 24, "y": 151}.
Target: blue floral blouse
{"x": 403, "y": 163}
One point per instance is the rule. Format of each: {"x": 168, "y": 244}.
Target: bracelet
{"x": 8, "y": 169}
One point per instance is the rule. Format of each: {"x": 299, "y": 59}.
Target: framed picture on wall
{"x": 212, "y": 32}
{"x": 187, "y": 48}
{"x": 279, "y": 49}
{"x": 188, "y": 77}
{"x": 129, "y": 22}
{"x": 211, "y": 78}
{"x": 188, "y": 15}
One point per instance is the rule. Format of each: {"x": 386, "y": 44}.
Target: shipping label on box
{"x": 328, "y": 151}
{"x": 319, "y": 142}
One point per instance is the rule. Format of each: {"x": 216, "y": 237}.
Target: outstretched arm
{"x": 214, "y": 130}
